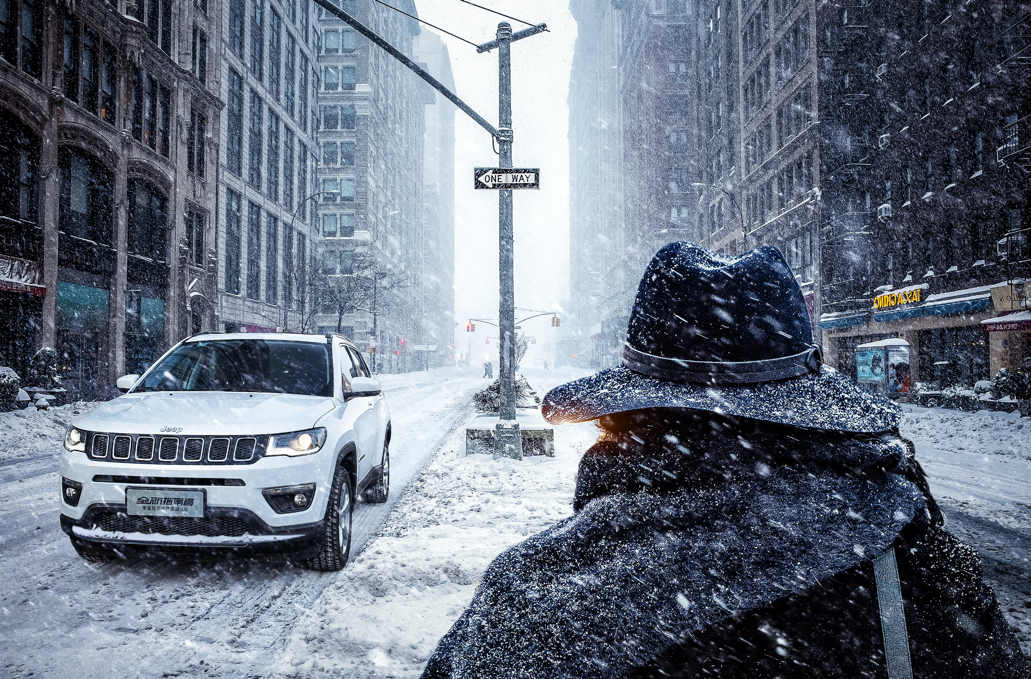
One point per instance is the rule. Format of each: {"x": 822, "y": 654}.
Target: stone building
{"x": 370, "y": 184}
{"x": 923, "y": 112}
{"x": 107, "y": 181}
{"x": 267, "y": 195}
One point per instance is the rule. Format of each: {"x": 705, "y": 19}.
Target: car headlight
{"x": 297, "y": 443}
{"x": 75, "y": 440}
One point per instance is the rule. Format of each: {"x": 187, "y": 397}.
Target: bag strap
{"x": 893, "y": 616}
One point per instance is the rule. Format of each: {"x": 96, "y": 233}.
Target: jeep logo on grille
{"x": 171, "y": 430}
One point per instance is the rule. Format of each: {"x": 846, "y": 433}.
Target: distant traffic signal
{"x": 555, "y": 321}
{"x": 468, "y": 327}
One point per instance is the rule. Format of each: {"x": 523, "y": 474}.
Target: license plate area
{"x": 164, "y": 502}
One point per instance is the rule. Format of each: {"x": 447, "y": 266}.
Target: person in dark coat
{"x": 746, "y": 512}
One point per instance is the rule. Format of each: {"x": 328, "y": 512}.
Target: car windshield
{"x": 252, "y": 365}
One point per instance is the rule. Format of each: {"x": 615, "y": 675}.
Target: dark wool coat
{"x": 733, "y": 558}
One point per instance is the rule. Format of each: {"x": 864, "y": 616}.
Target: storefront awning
{"x": 839, "y": 320}
{"x": 967, "y": 301}
{"x": 1020, "y": 320}
{"x": 21, "y": 275}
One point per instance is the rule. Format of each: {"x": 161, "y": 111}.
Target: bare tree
{"x": 369, "y": 288}
{"x": 522, "y": 345}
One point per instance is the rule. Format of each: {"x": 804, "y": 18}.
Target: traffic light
{"x": 402, "y": 342}
{"x": 488, "y": 340}
{"x": 555, "y": 321}
{"x": 473, "y": 326}
{"x": 468, "y": 327}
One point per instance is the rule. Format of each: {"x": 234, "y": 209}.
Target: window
{"x": 272, "y": 175}
{"x": 347, "y": 153}
{"x": 108, "y": 84}
{"x": 346, "y": 189}
{"x": 291, "y": 10}
{"x": 236, "y": 13}
{"x": 792, "y": 51}
{"x": 678, "y": 141}
{"x": 234, "y": 124}
{"x": 800, "y": 256}
{"x": 86, "y": 199}
{"x": 679, "y": 179}
{"x": 331, "y": 78}
{"x": 195, "y": 221}
{"x": 195, "y": 139}
{"x": 348, "y": 117}
{"x": 91, "y": 71}
{"x": 331, "y": 117}
{"x": 164, "y": 120}
{"x": 31, "y": 36}
{"x": 302, "y": 182}
{"x": 757, "y": 29}
{"x": 275, "y": 55}
{"x": 232, "y": 253}
{"x": 757, "y": 88}
{"x": 928, "y": 178}
{"x": 302, "y": 93}
{"x": 200, "y": 56}
{"x": 288, "y": 260}
{"x": 288, "y": 167}
{"x": 347, "y": 41}
{"x": 907, "y": 184}
{"x": 289, "y": 90}
{"x": 347, "y": 77}
{"x": 330, "y": 225}
{"x": 330, "y": 190}
{"x": 19, "y": 165}
{"x": 331, "y": 42}
{"x": 951, "y": 169}
{"x": 677, "y": 71}
{"x": 257, "y": 39}
{"x": 9, "y": 31}
{"x": 71, "y": 55}
{"x": 330, "y": 153}
{"x": 253, "y": 251}
{"x": 795, "y": 114}
{"x": 272, "y": 260}
{"x": 157, "y": 16}
{"x": 679, "y": 214}
{"x": 255, "y": 141}
{"x": 347, "y": 225}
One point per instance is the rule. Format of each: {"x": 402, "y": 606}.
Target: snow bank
{"x": 983, "y": 432}
{"x": 32, "y": 433}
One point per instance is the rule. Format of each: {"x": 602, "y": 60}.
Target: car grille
{"x": 173, "y": 525}
{"x": 187, "y": 450}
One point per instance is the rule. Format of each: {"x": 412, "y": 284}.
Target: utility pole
{"x": 507, "y": 441}
{"x": 507, "y": 437}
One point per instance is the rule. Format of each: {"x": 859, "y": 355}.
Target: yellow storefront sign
{"x": 893, "y": 299}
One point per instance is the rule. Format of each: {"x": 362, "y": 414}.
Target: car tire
{"x": 336, "y": 543}
{"x": 380, "y": 488}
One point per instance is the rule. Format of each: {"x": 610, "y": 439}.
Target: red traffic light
{"x": 402, "y": 342}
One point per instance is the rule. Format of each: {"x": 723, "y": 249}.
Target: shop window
{"x": 148, "y": 221}
{"x": 86, "y": 197}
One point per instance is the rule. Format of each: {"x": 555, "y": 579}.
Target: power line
{"x": 492, "y": 11}
{"x": 427, "y": 23}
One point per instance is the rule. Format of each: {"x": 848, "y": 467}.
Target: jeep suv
{"x": 234, "y": 443}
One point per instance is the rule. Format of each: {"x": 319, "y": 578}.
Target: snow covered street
{"x": 416, "y": 561}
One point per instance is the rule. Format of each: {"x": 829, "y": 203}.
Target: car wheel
{"x": 336, "y": 544}
{"x": 380, "y": 489}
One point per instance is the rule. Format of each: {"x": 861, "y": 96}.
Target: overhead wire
{"x": 438, "y": 28}
{"x": 494, "y": 11}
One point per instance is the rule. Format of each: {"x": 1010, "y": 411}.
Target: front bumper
{"x": 221, "y": 532}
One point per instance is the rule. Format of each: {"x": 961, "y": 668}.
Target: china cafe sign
{"x": 898, "y": 298}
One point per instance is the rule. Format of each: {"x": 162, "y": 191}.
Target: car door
{"x": 379, "y": 407}
{"x": 362, "y": 410}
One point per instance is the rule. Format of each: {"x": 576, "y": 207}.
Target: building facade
{"x": 267, "y": 196}
{"x": 881, "y": 146}
{"x": 370, "y": 182}
{"x": 925, "y": 183}
{"x": 436, "y": 261}
{"x": 107, "y": 181}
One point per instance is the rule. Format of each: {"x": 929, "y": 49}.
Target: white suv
{"x": 234, "y": 443}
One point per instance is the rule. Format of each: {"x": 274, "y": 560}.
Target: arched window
{"x": 19, "y": 173}
{"x": 148, "y": 221}
{"x": 86, "y": 197}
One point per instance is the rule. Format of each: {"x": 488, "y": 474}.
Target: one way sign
{"x": 506, "y": 178}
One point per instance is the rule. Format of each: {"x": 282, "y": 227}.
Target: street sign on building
{"x": 506, "y": 178}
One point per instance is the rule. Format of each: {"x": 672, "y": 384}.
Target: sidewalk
{"x": 388, "y": 609}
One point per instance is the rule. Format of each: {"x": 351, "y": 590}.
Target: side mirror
{"x": 363, "y": 386}
{"x": 125, "y": 382}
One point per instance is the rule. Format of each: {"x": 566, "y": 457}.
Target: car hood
{"x": 205, "y": 413}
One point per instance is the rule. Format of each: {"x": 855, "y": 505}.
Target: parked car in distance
{"x": 251, "y": 443}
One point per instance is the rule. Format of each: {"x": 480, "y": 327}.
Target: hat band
{"x": 723, "y": 372}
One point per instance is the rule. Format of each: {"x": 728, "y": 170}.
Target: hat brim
{"x": 825, "y": 400}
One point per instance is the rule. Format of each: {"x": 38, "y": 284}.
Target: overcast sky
{"x": 540, "y": 83}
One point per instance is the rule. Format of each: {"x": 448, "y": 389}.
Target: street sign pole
{"x": 507, "y": 441}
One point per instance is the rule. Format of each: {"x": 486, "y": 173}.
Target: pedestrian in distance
{"x": 488, "y": 370}
{"x": 745, "y": 512}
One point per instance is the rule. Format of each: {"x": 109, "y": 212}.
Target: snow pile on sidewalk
{"x": 388, "y": 609}
{"x": 32, "y": 433}
{"x": 983, "y": 432}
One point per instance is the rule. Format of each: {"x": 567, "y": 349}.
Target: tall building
{"x": 923, "y": 111}
{"x": 107, "y": 181}
{"x": 881, "y": 146}
{"x": 370, "y": 182}
{"x": 436, "y": 261}
{"x": 598, "y": 271}
{"x": 266, "y": 191}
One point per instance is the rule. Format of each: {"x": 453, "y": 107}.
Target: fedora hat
{"x": 730, "y": 336}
